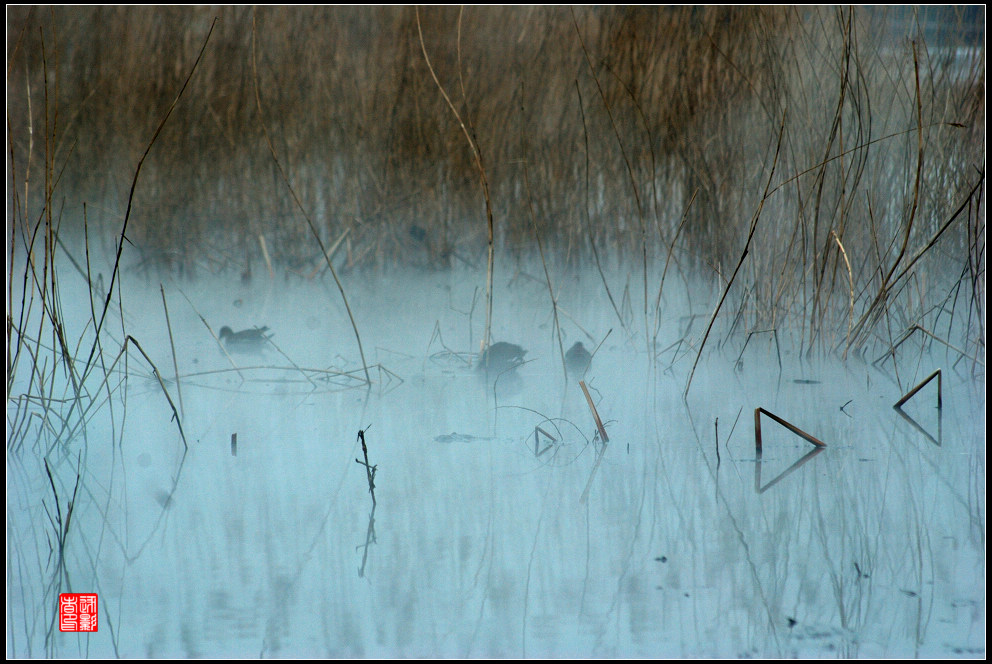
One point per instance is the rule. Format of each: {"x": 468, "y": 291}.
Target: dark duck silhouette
{"x": 246, "y": 341}
{"x": 577, "y": 359}
{"x": 501, "y": 356}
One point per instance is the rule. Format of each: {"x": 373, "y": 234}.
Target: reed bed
{"x": 810, "y": 176}
{"x": 641, "y": 137}
{"x": 65, "y": 376}
{"x": 823, "y": 169}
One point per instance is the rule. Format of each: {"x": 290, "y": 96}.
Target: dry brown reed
{"x": 41, "y": 331}
{"x": 791, "y": 427}
{"x": 649, "y": 140}
{"x": 302, "y": 209}
{"x": 172, "y": 347}
{"x": 909, "y": 395}
{"x": 469, "y": 132}
{"x": 358, "y": 106}
{"x": 595, "y": 413}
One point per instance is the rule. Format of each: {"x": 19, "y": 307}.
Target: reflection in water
{"x": 369, "y": 541}
{"x": 916, "y": 425}
{"x": 502, "y": 526}
{"x": 785, "y": 473}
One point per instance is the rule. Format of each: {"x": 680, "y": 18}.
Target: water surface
{"x": 503, "y": 526}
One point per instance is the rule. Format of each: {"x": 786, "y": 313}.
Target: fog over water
{"x": 502, "y": 525}
{"x": 292, "y": 293}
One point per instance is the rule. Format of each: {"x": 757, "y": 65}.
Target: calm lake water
{"x": 503, "y": 526}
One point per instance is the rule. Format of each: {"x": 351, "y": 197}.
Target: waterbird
{"x": 501, "y": 356}
{"x": 245, "y": 341}
{"x": 577, "y": 359}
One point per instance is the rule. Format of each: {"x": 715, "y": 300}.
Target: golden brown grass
{"x": 597, "y": 131}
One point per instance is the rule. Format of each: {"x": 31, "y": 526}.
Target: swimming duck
{"x": 501, "y": 356}
{"x": 245, "y": 341}
{"x": 577, "y": 359}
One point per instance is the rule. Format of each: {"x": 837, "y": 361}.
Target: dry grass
{"x": 595, "y": 136}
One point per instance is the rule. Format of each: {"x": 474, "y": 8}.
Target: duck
{"x": 501, "y": 356}
{"x": 245, "y": 341}
{"x": 577, "y": 359}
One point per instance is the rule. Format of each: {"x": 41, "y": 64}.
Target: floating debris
{"x": 454, "y": 437}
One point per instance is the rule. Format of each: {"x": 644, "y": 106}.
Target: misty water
{"x": 503, "y": 525}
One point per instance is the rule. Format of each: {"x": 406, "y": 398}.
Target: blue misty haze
{"x": 501, "y": 541}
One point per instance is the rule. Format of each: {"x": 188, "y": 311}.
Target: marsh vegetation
{"x": 732, "y": 209}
